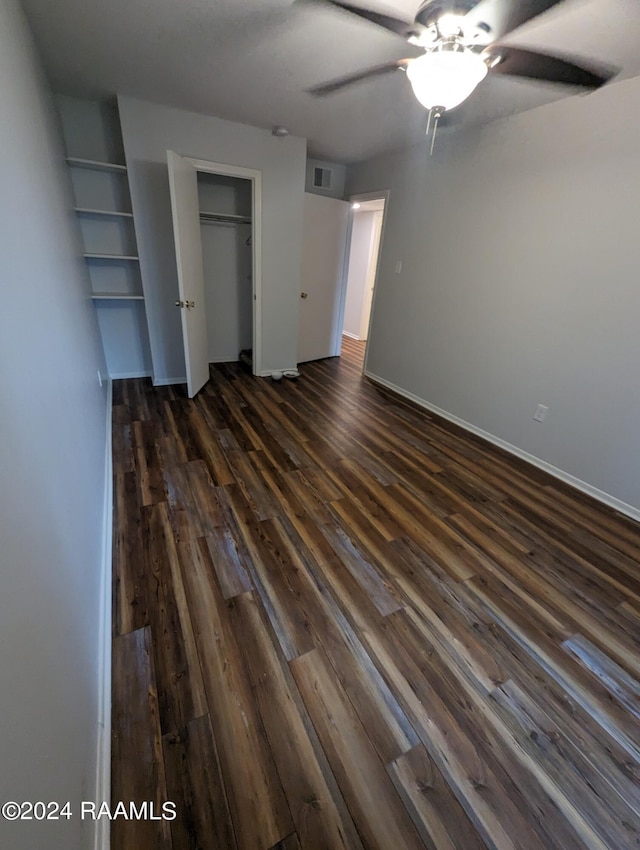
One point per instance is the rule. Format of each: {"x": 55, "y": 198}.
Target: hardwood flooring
{"x": 341, "y": 622}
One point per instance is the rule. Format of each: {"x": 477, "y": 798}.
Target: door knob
{"x": 179, "y": 303}
{"x": 304, "y": 295}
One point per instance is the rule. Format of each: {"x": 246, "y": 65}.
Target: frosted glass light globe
{"x": 445, "y": 77}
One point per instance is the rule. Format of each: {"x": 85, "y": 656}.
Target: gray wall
{"x": 52, "y": 454}
{"x": 519, "y": 285}
{"x": 149, "y": 130}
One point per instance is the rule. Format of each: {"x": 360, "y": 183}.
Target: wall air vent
{"x": 322, "y": 178}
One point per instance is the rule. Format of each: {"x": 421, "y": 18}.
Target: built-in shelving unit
{"x": 103, "y": 208}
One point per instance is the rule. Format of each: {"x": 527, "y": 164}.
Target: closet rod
{"x": 231, "y": 219}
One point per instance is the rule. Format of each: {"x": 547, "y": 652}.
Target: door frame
{"x": 255, "y": 176}
{"x": 382, "y": 194}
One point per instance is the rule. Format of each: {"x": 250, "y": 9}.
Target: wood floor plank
{"x": 195, "y": 783}
{"x": 603, "y": 819}
{"x": 136, "y": 740}
{"x": 581, "y": 722}
{"x": 180, "y": 687}
{"x": 149, "y": 470}
{"x": 389, "y": 730}
{"x": 438, "y": 816}
{"x": 129, "y": 576}
{"x": 317, "y": 807}
{"x": 268, "y": 569}
{"x": 378, "y": 813}
{"x": 579, "y": 685}
{"x": 260, "y": 813}
{"x": 523, "y": 797}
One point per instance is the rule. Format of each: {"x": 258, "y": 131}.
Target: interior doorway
{"x": 205, "y": 195}
{"x": 367, "y": 226}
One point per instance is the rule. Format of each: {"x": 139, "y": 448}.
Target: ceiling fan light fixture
{"x": 445, "y": 77}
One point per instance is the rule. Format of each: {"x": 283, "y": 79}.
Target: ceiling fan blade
{"x": 552, "y": 69}
{"x": 498, "y": 17}
{"x": 342, "y": 82}
{"x": 388, "y": 22}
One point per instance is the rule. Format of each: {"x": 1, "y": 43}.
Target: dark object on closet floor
{"x": 246, "y": 359}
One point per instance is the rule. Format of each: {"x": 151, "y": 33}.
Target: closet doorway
{"x": 217, "y": 231}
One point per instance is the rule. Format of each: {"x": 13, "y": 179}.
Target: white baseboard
{"x": 577, "y": 483}
{"x": 351, "y": 336}
{"x": 121, "y": 376}
{"x": 166, "y": 382}
{"x": 103, "y": 756}
{"x": 231, "y": 358}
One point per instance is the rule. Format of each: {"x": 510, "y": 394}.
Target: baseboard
{"x": 102, "y": 793}
{"x": 351, "y": 336}
{"x": 166, "y": 382}
{"x": 566, "y": 477}
{"x": 232, "y": 358}
{"x": 121, "y": 376}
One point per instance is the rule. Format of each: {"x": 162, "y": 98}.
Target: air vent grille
{"x": 322, "y": 178}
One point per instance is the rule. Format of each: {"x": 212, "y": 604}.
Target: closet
{"x": 225, "y": 205}
{"x": 102, "y": 204}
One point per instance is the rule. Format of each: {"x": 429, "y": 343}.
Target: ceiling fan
{"x": 460, "y": 40}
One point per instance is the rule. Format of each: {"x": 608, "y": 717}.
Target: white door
{"x": 183, "y": 184}
{"x": 324, "y": 241}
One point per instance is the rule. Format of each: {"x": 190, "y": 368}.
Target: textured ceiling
{"x": 251, "y": 61}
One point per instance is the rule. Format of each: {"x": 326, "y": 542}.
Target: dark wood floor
{"x": 342, "y": 622}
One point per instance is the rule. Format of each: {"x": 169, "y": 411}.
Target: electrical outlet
{"x": 541, "y": 412}
{"x": 398, "y": 266}
{"x": 99, "y": 378}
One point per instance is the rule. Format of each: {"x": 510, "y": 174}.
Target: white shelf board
{"x": 110, "y": 257}
{"x": 95, "y": 165}
{"x": 114, "y": 296}
{"x": 86, "y": 211}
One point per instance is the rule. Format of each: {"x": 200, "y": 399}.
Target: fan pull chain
{"x": 435, "y": 114}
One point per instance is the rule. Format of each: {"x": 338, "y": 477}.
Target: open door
{"x": 183, "y": 184}
{"x": 324, "y": 240}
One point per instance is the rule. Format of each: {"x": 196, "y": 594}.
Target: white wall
{"x": 52, "y": 458}
{"x": 359, "y": 259}
{"x": 148, "y": 131}
{"x": 519, "y": 285}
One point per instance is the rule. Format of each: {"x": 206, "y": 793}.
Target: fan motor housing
{"x": 431, "y": 10}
